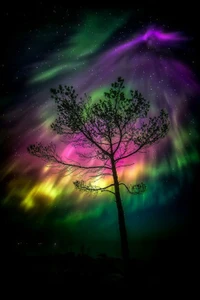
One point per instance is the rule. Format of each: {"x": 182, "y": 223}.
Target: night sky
{"x": 157, "y": 52}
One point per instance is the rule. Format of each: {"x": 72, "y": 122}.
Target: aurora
{"x": 148, "y": 64}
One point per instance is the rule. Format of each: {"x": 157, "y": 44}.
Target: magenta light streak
{"x": 162, "y": 36}
{"x": 151, "y": 34}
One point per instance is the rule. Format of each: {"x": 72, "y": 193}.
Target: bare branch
{"x": 48, "y": 154}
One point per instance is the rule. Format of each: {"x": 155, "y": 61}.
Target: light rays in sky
{"x": 89, "y": 62}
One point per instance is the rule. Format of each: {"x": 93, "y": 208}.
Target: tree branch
{"x": 80, "y": 185}
{"x": 135, "y": 189}
{"x": 48, "y": 154}
{"x": 130, "y": 154}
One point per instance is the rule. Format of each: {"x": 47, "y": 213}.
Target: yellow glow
{"x": 134, "y": 172}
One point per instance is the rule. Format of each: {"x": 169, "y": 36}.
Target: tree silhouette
{"x": 105, "y": 134}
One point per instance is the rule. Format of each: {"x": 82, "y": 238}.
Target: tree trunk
{"x": 121, "y": 221}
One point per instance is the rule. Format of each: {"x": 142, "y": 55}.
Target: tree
{"x": 106, "y": 133}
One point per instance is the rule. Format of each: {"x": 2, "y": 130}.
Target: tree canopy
{"x": 113, "y": 128}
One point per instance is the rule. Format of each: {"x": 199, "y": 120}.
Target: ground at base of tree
{"x": 81, "y": 273}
